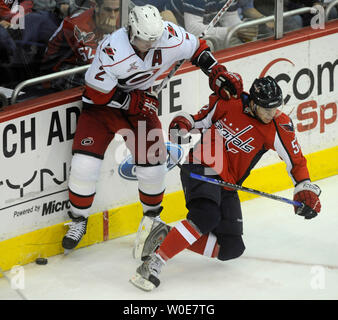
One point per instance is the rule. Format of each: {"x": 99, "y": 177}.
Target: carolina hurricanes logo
{"x": 82, "y": 36}
{"x": 138, "y": 78}
{"x": 110, "y": 52}
{"x": 172, "y": 32}
{"x": 87, "y": 141}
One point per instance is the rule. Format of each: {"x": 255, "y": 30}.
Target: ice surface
{"x": 286, "y": 257}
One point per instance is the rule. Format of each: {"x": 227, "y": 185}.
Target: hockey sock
{"x": 180, "y": 237}
{"x": 80, "y": 204}
{"x": 206, "y": 245}
{"x": 82, "y": 181}
{"x": 150, "y": 201}
{"x": 151, "y": 185}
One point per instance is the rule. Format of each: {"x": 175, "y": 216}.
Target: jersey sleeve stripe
{"x": 205, "y": 121}
{"x": 114, "y": 64}
{"x": 283, "y": 153}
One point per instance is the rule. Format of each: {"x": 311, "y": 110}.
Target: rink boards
{"x": 37, "y": 138}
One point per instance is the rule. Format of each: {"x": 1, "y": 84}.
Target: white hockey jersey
{"x": 116, "y": 63}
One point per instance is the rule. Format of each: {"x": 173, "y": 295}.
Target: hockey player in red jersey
{"x": 117, "y": 99}
{"x": 234, "y": 136}
{"x": 74, "y": 43}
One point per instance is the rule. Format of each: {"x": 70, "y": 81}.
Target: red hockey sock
{"x": 80, "y": 201}
{"x": 179, "y": 238}
{"x": 206, "y": 245}
{"x": 150, "y": 201}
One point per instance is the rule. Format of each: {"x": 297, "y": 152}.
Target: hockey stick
{"x": 179, "y": 63}
{"x": 241, "y": 188}
{"x": 235, "y": 186}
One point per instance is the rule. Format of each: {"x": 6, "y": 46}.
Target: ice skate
{"x": 146, "y": 277}
{"x": 151, "y": 233}
{"x": 77, "y": 228}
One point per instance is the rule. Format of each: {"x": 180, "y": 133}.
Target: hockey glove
{"x": 179, "y": 128}
{"x": 308, "y": 194}
{"x": 224, "y": 83}
{"x": 143, "y": 103}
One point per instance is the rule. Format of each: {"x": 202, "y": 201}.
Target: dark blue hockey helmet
{"x": 266, "y": 93}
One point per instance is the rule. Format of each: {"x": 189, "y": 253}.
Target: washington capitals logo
{"x": 232, "y": 138}
{"x": 288, "y": 126}
{"x": 82, "y": 36}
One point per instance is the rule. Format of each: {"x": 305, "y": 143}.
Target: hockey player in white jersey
{"x": 118, "y": 97}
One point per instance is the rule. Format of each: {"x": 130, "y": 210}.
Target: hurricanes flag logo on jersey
{"x": 110, "y": 52}
{"x": 172, "y": 32}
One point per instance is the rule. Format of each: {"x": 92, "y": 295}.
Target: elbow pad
{"x": 203, "y": 58}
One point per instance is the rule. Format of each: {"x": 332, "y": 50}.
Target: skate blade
{"x": 142, "y": 234}
{"x": 141, "y": 283}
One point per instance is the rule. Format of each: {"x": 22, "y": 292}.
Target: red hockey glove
{"x": 179, "y": 128}
{"x": 144, "y": 103}
{"x": 308, "y": 194}
{"x": 224, "y": 83}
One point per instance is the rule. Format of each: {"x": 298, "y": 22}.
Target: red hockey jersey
{"x": 233, "y": 141}
{"x": 75, "y": 41}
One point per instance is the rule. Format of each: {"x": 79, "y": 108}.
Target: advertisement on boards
{"x": 36, "y": 154}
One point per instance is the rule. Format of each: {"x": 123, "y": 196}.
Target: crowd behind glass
{"x": 40, "y": 37}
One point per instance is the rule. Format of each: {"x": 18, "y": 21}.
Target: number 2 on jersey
{"x": 99, "y": 75}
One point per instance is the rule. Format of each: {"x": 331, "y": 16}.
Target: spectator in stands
{"x": 12, "y": 18}
{"x": 7, "y": 45}
{"x": 267, "y": 8}
{"x": 75, "y": 41}
{"x": 80, "y": 5}
{"x": 248, "y": 12}
{"x": 197, "y": 14}
{"x": 42, "y": 22}
{"x": 176, "y": 7}
{"x": 30, "y": 35}
{"x": 307, "y": 17}
{"x": 164, "y": 6}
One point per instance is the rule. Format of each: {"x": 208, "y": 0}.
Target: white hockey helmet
{"x": 145, "y": 23}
